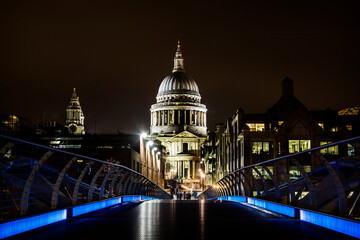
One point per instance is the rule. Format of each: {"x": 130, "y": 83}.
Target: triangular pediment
{"x": 185, "y": 134}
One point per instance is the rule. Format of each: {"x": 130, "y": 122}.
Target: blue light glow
{"x": 274, "y": 207}
{"x": 86, "y": 208}
{"x": 131, "y": 198}
{"x": 223, "y": 198}
{"x": 347, "y": 227}
{"x": 22, "y": 225}
{"x": 148, "y": 198}
{"x": 237, "y": 199}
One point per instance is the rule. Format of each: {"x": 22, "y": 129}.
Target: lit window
{"x": 262, "y": 148}
{"x": 295, "y": 173}
{"x": 334, "y": 129}
{"x": 11, "y": 121}
{"x": 263, "y": 172}
{"x": 256, "y": 127}
{"x": 334, "y": 150}
{"x": 321, "y": 125}
{"x": 280, "y": 122}
{"x": 299, "y": 145}
{"x": 349, "y": 127}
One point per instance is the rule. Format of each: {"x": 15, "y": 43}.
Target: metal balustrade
{"x": 37, "y": 179}
{"x": 333, "y": 187}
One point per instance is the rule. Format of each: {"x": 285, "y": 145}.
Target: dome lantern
{"x": 178, "y": 60}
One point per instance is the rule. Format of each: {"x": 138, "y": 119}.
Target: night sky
{"x": 116, "y": 53}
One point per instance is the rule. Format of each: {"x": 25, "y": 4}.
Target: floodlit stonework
{"x": 178, "y": 121}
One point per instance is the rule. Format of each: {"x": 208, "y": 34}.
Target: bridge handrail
{"x": 107, "y": 179}
{"x": 227, "y": 182}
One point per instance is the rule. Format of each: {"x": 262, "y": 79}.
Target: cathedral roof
{"x": 178, "y": 82}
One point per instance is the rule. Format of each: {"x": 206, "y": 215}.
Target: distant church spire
{"x": 74, "y": 115}
{"x": 178, "y": 60}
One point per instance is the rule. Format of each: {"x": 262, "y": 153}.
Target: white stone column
{"x": 156, "y": 118}
{"x": 196, "y": 118}
{"x": 183, "y": 168}
{"x": 202, "y": 119}
{"x": 205, "y": 124}
{"x": 163, "y": 117}
{"x": 192, "y": 120}
{"x": 199, "y": 118}
{"x": 166, "y": 117}
{"x": 173, "y": 116}
{"x": 188, "y": 172}
{"x": 185, "y": 117}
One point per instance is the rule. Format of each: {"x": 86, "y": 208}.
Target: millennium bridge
{"x": 47, "y": 193}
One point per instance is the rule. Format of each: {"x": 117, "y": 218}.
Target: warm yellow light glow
{"x": 256, "y": 127}
{"x": 349, "y": 111}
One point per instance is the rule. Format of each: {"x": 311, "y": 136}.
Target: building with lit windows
{"x": 178, "y": 121}
{"x": 285, "y": 128}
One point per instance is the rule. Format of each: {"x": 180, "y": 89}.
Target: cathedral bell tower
{"x": 74, "y": 115}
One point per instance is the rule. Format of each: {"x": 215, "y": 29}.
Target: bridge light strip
{"x": 237, "y": 199}
{"x": 25, "y": 224}
{"x": 274, "y": 207}
{"x": 18, "y": 226}
{"x": 145, "y": 198}
{"x": 344, "y": 226}
{"x": 90, "y": 207}
{"x": 131, "y": 198}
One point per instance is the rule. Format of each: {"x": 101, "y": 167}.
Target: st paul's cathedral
{"x": 178, "y": 123}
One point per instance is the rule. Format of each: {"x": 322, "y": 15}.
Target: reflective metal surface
{"x": 332, "y": 187}
{"x": 36, "y": 179}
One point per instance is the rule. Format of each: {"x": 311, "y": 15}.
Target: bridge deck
{"x": 171, "y": 219}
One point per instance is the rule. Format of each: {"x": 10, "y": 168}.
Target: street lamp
{"x": 143, "y": 135}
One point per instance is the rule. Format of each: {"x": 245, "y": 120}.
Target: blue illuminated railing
{"x": 21, "y": 225}
{"x": 338, "y": 224}
{"x": 37, "y": 179}
{"x": 8, "y": 229}
{"x": 271, "y": 181}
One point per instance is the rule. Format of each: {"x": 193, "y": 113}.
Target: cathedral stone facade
{"x": 178, "y": 121}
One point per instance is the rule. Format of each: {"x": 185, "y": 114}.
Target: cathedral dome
{"x": 178, "y": 83}
{"x": 178, "y": 105}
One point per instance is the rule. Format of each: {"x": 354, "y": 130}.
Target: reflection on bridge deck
{"x": 175, "y": 219}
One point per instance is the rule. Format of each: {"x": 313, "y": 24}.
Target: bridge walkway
{"x": 176, "y": 219}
